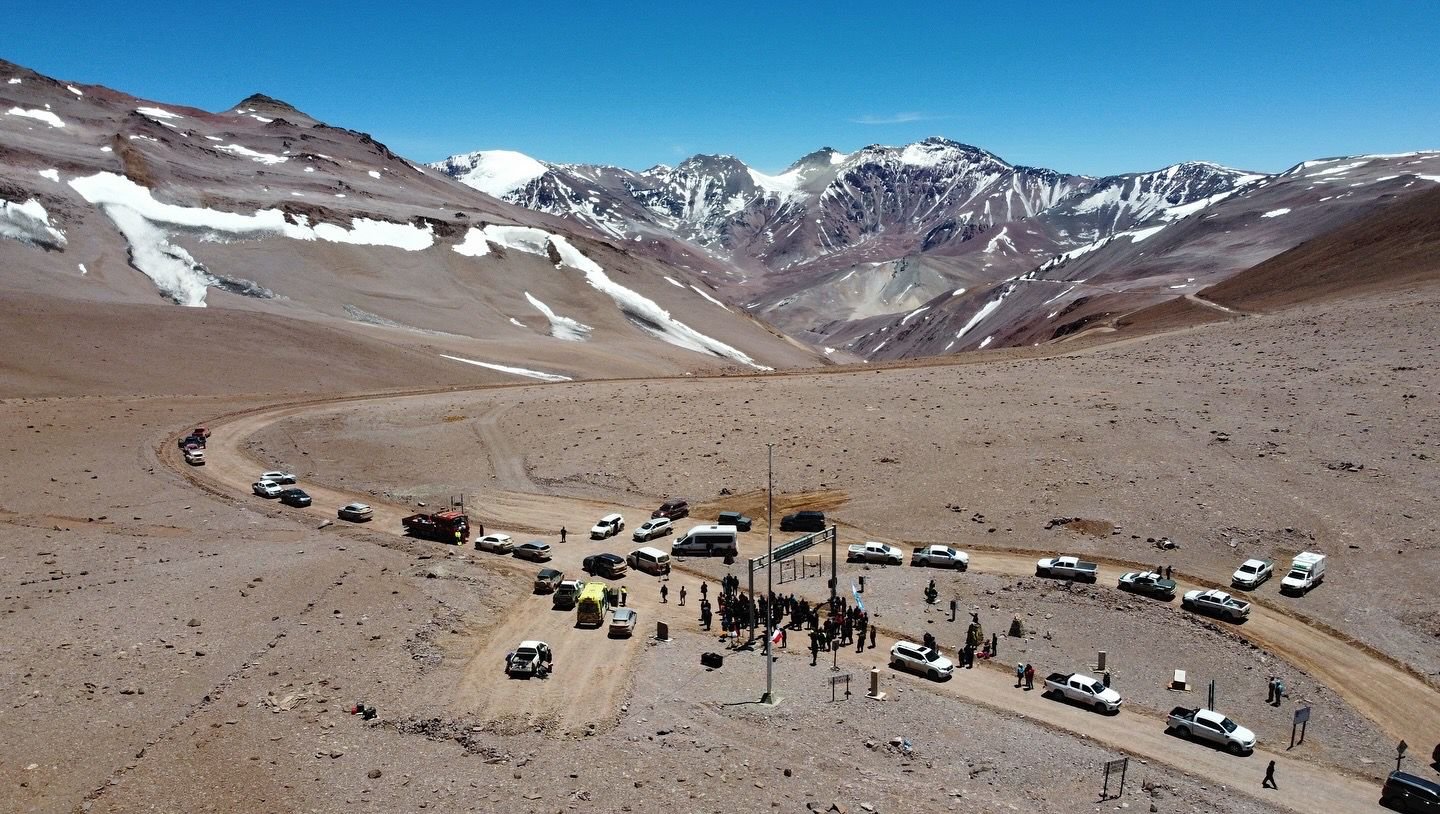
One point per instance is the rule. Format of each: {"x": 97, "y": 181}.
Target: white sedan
{"x": 278, "y": 476}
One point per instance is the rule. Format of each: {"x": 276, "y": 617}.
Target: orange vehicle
{"x": 450, "y": 526}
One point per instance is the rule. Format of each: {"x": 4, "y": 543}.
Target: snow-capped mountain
{"x": 111, "y": 200}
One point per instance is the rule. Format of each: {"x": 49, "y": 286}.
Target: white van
{"x": 650, "y": 560}
{"x": 707, "y": 541}
{"x": 1306, "y": 572}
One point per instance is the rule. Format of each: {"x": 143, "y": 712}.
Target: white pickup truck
{"x": 1067, "y": 568}
{"x": 1252, "y": 573}
{"x": 882, "y": 553}
{"x": 1307, "y": 571}
{"x": 1217, "y": 603}
{"x": 940, "y": 556}
{"x": 1210, "y": 726}
{"x": 1087, "y": 691}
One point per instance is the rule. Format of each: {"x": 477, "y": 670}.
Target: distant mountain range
{"x": 925, "y": 248}
{"x": 529, "y": 268}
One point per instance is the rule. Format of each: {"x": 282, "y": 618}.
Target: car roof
{"x": 549, "y": 572}
{"x": 496, "y": 537}
{"x": 675, "y": 501}
{"x": 653, "y": 552}
{"x": 1416, "y": 780}
{"x": 357, "y": 505}
{"x": 605, "y": 555}
{"x": 538, "y": 544}
{"x": 622, "y": 613}
{"x": 656, "y": 521}
{"x": 533, "y": 644}
{"x": 610, "y": 517}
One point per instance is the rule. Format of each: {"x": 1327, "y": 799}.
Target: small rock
{"x": 373, "y": 774}
{"x": 193, "y": 623}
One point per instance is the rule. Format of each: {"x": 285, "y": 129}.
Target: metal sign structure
{"x": 1302, "y": 720}
{"x": 836, "y": 681}
{"x": 1400, "y": 754}
{"x": 1113, "y": 767}
{"x": 793, "y": 547}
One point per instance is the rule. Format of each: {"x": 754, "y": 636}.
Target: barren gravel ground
{"x": 120, "y": 703}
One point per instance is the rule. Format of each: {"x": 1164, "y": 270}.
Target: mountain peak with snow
{"x": 494, "y": 172}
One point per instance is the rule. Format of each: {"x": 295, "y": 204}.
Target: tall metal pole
{"x": 769, "y": 571}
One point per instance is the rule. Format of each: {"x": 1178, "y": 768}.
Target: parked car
{"x": 1148, "y": 583}
{"x": 650, "y": 560}
{"x": 1067, "y": 568}
{"x": 266, "y": 488}
{"x": 191, "y": 440}
{"x": 295, "y": 497}
{"x": 566, "y": 593}
{"x": 547, "y": 580}
{"x": 803, "y": 521}
{"x": 356, "y": 512}
{"x": 673, "y": 508}
{"x": 940, "y": 556}
{"x": 536, "y": 550}
{"x": 917, "y": 658}
{"x": 882, "y": 553}
{"x": 1252, "y": 573}
{"x": 652, "y": 528}
{"x": 202, "y": 431}
{"x": 283, "y": 478}
{"x": 605, "y": 565}
{"x": 1410, "y": 793}
{"x": 498, "y": 543}
{"x": 608, "y": 526}
{"x": 736, "y": 519}
{"x": 195, "y": 456}
{"x": 1217, "y": 603}
{"x": 531, "y": 658}
{"x": 1087, "y": 691}
{"x": 622, "y": 621}
{"x": 1212, "y": 727}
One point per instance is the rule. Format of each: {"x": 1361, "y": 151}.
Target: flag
{"x": 855, "y": 591}
{"x": 775, "y": 637}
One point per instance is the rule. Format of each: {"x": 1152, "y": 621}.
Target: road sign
{"x": 1302, "y": 715}
{"x": 1115, "y": 767}
{"x": 1302, "y": 721}
{"x": 1400, "y": 754}
{"x": 836, "y": 681}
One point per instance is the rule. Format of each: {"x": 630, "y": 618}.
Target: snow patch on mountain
{"x": 52, "y": 175}
{"x": 28, "y": 222}
{"x": 561, "y": 327}
{"x": 517, "y": 371}
{"x": 494, "y": 172}
{"x": 1275, "y": 213}
{"x": 38, "y": 115}
{"x": 145, "y": 224}
{"x": 253, "y": 155}
{"x": 158, "y": 113}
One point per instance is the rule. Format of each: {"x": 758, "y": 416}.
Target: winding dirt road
{"x": 1399, "y": 702}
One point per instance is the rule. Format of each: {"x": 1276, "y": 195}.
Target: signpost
{"x": 1302, "y": 718}
{"x": 1115, "y": 767}
{"x": 1400, "y": 754}
{"x": 838, "y": 680}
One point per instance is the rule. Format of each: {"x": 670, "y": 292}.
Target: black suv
{"x": 295, "y": 497}
{"x": 1410, "y": 793}
{"x": 736, "y": 519}
{"x": 606, "y": 565}
{"x": 803, "y": 521}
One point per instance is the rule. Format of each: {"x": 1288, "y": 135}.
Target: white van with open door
{"x": 650, "y": 560}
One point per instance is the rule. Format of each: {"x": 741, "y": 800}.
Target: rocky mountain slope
{"x": 928, "y": 248}
{"x": 107, "y": 199}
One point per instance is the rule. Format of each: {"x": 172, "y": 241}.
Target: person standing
{"x": 860, "y": 640}
{"x": 1270, "y": 691}
{"x": 814, "y": 647}
{"x": 873, "y": 629}
{"x": 624, "y": 595}
{"x": 1029, "y": 676}
{"x": 682, "y": 596}
{"x": 1019, "y": 673}
{"x": 562, "y": 534}
{"x": 1269, "y": 781}
{"x": 704, "y": 591}
{"x": 1105, "y": 679}
{"x": 664, "y": 593}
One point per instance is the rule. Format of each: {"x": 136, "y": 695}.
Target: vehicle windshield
{"x": 1228, "y": 725}
{"x": 1297, "y": 575}
{"x": 1247, "y": 569}
{"x": 930, "y": 655}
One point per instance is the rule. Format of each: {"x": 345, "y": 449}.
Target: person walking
{"x": 563, "y": 532}
{"x": 1269, "y": 781}
{"x": 1019, "y": 673}
{"x": 1029, "y": 676}
{"x": 682, "y": 596}
{"x": 664, "y": 593}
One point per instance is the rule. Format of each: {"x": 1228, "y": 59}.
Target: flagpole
{"x": 769, "y": 571}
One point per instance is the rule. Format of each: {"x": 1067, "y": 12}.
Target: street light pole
{"x": 769, "y": 571}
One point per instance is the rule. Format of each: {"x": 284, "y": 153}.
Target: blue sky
{"x": 1091, "y": 87}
